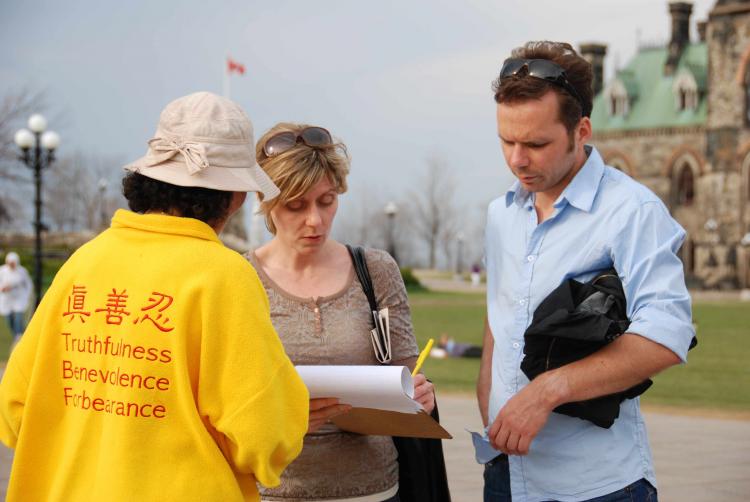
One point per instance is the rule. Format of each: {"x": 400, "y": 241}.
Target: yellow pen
{"x": 422, "y": 356}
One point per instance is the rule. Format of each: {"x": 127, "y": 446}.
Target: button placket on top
{"x": 523, "y": 292}
{"x": 535, "y": 238}
{"x": 532, "y": 238}
{"x": 535, "y": 234}
{"x": 318, "y": 323}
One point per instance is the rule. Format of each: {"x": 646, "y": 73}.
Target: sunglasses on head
{"x": 543, "y": 69}
{"x": 283, "y": 141}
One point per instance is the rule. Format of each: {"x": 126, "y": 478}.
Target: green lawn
{"x": 5, "y": 340}
{"x": 460, "y": 316}
{"x": 718, "y": 373}
{"x": 717, "y": 376}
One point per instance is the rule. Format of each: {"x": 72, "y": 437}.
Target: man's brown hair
{"x": 577, "y": 70}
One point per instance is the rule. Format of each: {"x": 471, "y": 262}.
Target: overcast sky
{"x": 397, "y": 81}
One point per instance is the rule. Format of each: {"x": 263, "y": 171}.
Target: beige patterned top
{"x": 335, "y": 330}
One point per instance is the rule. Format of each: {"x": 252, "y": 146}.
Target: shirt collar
{"x": 579, "y": 193}
{"x": 517, "y": 194}
{"x": 164, "y": 224}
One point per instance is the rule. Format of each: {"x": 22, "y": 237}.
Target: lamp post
{"x": 390, "y": 211}
{"x": 459, "y": 256}
{"x": 745, "y": 267}
{"x": 102, "y": 205}
{"x": 37, "y": 152}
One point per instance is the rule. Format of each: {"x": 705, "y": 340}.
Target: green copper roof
{"x": 652, "y": 100}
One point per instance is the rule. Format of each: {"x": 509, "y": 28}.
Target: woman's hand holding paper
{"x": 322, "y": 410}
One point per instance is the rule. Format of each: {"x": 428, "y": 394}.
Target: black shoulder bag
{"x": 421, "y": 464}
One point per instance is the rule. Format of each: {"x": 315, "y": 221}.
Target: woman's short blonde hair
{"x": 298, "y": 169}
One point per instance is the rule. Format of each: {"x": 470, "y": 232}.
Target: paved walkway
{"x": 697, "y": 459}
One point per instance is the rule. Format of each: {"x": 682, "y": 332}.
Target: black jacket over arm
{"x": 575, "y": 321}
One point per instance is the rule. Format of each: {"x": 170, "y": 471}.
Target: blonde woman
{"x": 322, "y": 316}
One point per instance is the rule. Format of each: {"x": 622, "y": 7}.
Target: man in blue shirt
{"x": 569, "y": 216}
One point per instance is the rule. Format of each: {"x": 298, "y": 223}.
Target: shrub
{"x": 410, "y": 280}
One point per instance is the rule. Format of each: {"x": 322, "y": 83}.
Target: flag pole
{"x": 257, "y": 224}
{"x": 225, "y": 82}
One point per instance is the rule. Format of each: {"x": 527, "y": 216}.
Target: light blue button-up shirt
{"x": 602, "y": 219}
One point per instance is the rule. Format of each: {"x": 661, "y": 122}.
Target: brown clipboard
{"x": 390, "y": 423}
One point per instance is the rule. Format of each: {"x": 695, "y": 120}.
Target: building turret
{"x": 680, "y": 12}
{"x": 594, "y": 54}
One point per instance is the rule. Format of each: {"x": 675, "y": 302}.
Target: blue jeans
{"x": 15, "y": 323}
{"x": 497, "y": 480}
{"x": 497, "y": 486}
{"x": 640, "y": 491}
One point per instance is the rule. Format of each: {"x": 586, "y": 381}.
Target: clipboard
{"x": 381, "y": 398}
{"x": 391, "y": 423}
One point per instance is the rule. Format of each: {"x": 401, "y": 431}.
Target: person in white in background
{"x": 15, "y": 291}
{"x": 476, "y": 276}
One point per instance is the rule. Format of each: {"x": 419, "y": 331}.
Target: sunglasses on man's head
{"x": 543, "y": 69}
{"x": 283, "y": 141}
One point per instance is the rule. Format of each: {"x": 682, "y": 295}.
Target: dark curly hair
{"x": 146, "y": 194}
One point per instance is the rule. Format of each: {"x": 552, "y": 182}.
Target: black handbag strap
{"x": 421, "y": 464}
{"x": 363, "y": 274}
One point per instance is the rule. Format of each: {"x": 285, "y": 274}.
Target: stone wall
{"x": 728, "y": 137}
{"x": 652, "y": 157}
{"x": 728, "y": 39}
{"x": 649, "y": 156}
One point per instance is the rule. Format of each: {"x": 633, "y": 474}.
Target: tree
{"x": 354, "y": 222}
{"x": 81, "y": 191}
{"x": 433, "y": 211}
{"x": 15, "y": 109}
{"x": 236, "y": 224}
{"x": 362, "y": 221}
{"x": 4, "y": 213}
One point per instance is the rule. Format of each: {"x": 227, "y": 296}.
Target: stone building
{"x": 677, "y": 118}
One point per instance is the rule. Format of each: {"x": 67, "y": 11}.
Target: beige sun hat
{"x": 204, "y": 140}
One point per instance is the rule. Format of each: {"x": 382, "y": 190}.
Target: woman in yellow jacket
{"x": 151, "y": 370}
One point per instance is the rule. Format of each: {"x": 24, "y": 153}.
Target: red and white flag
{"x": 234, "y": 66}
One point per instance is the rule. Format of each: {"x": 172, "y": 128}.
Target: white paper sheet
{"x": 379, "y": 387}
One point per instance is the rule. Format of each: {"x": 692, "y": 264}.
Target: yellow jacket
{"x": 151, "y": 371}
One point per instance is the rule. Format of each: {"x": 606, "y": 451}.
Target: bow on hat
{"x": 163, "y": 149}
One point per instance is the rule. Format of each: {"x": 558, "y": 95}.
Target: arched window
{"x": 685, "y": 185}
{"x": 620, "y": 164}
{"x": 687, "y": 255}
{"x": 711, "y": 261}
